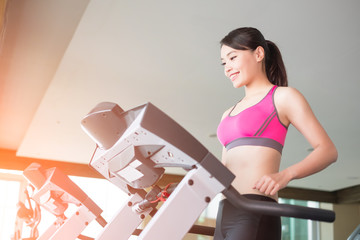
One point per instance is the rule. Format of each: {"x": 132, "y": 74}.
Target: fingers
{"x": 275, "y": 189}
{"x": 270, "y": 188}
{"x": 267, "y": 185}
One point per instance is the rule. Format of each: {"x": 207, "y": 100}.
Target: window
{"x": 10, "y": 188}
{"x": 299, "y": 229}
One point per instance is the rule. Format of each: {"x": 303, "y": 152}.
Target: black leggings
{"x": 237, "y": 224}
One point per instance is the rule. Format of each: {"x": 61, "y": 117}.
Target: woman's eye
{"x": 223, "y": 63}
{"x": 232, "y": 58}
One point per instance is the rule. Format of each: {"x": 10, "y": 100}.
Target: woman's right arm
{"x": 224, "y": 150}
{"x": 223, "y": 159}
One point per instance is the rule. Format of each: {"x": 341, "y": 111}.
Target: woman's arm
{"x": 293, "y": 108}
{"x": 223, "y": 160}
{"x": 224, "y": 150}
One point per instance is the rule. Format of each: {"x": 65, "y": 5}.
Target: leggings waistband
{"x": 259, "y": 197}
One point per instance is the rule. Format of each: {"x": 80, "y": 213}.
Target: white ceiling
{"x": 59, "y": 58}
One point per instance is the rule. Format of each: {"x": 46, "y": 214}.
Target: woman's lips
{"x": 233, "y": 76}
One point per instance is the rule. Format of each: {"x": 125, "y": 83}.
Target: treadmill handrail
{"x": 276, "y": 209}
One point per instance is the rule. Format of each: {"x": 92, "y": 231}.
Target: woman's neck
{"x": 258, "y": 86}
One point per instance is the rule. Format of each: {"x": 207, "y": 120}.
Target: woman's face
{"x": 240, "y": 66}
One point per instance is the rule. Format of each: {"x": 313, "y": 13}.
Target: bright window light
{"x": 9, "y": 197}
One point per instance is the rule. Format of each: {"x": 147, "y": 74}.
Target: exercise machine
{"x": 54, "y": 191}
{"x": 355, "y": 235}
{"x": 133, "y": 149}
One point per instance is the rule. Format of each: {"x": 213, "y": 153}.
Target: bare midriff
{"x": 249, "y": 164}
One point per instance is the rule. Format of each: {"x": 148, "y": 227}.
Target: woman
{"x": 253, "y": 133}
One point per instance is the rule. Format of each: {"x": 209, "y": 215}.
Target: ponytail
{"x": 275, "y": 68}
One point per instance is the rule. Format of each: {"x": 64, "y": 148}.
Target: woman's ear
{"x": 260, "y": 53}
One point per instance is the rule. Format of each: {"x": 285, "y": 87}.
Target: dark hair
{"x": 248, "y": 38}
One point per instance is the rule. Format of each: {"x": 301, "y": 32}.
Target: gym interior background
{"x": 60, "y": 58}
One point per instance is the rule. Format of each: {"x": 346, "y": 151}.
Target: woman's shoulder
{"x": 289, "y": 98}
{"x": 288, "y": 93}
{"x": 287, "y": 90}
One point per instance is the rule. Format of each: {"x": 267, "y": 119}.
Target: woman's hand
{"x": 270, "y": 184}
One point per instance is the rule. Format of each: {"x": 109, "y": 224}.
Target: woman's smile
{"x": 233, "y": 76}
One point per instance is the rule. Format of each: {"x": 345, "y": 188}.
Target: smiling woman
{"x": 253, "y": 134}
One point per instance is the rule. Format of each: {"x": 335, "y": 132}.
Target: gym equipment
{"x": 355, "y": 235}
{"x": 54, "y": 192}
{"x": 30, "y": 215}
{"x": 133, "y": 149}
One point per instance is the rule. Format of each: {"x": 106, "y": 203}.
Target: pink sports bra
{"x": 258, "y": 125}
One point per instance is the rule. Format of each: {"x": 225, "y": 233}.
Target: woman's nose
{"x": 227, "y": 67}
